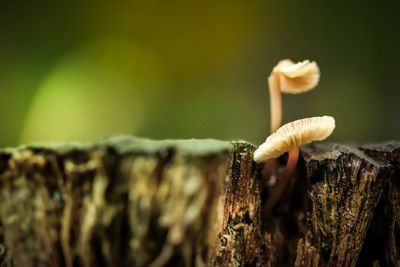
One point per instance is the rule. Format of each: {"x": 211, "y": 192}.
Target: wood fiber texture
{"x": 125, "y": 201}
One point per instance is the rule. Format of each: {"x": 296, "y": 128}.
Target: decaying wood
{"x": 241, "y": 238}
{"x": 346, "y": 186}
{"x": 385, "y": 225}
{"x": 125, "y": 201}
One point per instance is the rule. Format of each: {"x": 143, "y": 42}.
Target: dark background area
{"x": 178, "y": 69}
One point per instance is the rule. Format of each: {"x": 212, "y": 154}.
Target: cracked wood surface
{"x": 125, "y": 201}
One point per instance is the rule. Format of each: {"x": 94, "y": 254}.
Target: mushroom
{"x": 288, "y": 77}
{"x": 289, "y": 138}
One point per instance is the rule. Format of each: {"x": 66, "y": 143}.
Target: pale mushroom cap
{"x": 294, "y": 134}
{"x": 298, "y": 77}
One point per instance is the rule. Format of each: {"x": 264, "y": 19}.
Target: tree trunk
{"x": 126, "y": 201}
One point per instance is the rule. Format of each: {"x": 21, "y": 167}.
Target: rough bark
{"x": 345, "y": 187}
{"x": 125, "y": 201}
{"x": 382, "y": 244}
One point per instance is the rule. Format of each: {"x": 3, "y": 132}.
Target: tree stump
{"x": 125, "y": 201}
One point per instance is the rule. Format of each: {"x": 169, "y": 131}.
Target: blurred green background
{"x": 179, "y": 69}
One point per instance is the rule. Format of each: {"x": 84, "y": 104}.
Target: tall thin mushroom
{"x": 289, "y": 138}
{"x": 292, "y": 78}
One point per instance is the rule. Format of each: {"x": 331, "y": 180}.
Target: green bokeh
{"x": 99, "y": 89}
{"x": 82, "y": 70}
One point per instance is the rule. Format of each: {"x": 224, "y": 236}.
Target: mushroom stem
{"x": 291, "y": 162}
{"x": 270, "y": 171}
{"x": 275, "y": 101}
{"x": 283, "y": 180}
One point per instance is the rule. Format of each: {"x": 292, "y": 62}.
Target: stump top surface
{"x": 125, "y": 144}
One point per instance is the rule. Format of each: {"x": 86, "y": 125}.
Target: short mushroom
{"x": 289, "y": 138}
{"x": 288, "y": 77}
